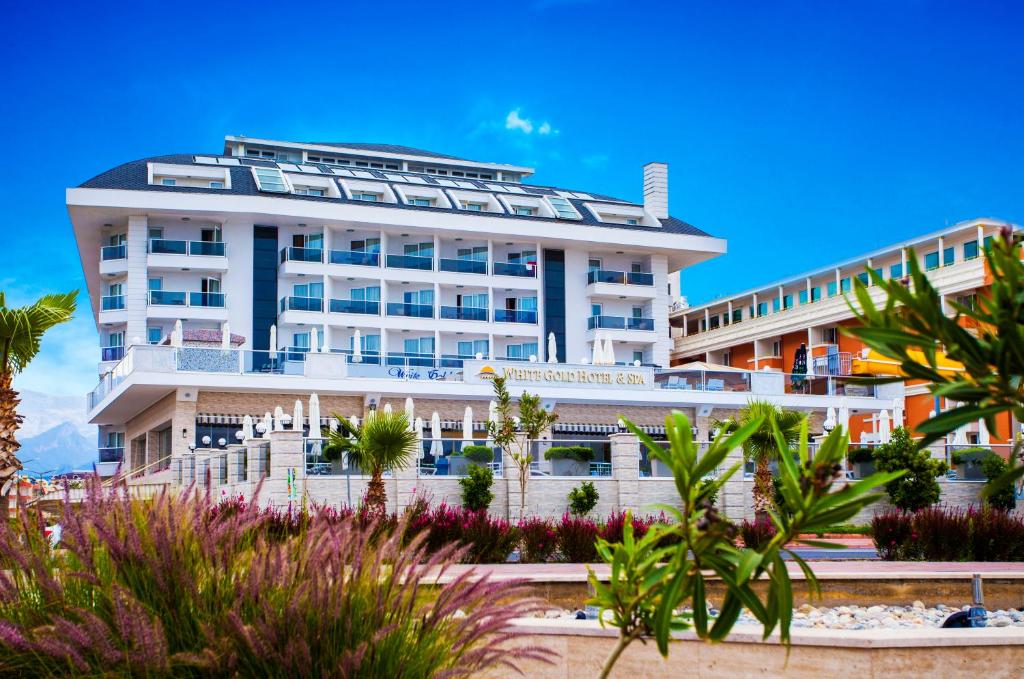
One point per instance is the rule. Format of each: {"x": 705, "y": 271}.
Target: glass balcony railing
{"x": 162, "y": 246}
{"x": 206, "y": 248}
{"x": 619, "y": 323}
{"x": 620, "y": 277}
{"x": 166, "y": 298}
{"x": 453, "y": 360}
{"x": 111, "y": 454}
{"x": 293, "y": 254}
{"x": 515, "y": 316}
{"x": 355, "y": 257}
{"x": 634, "y": 323}
{"x": 112, "y": 302}
{"x": 463, "y": 265}
{"x": 110, "y": 252}
{"x": 410, "y": 262}
{"x": 410, "y": 310}
{"x": 302, "y": 304}
{"x": 354, "y": 306}
{"x": 510, "y": 269}
{"x": 206, "y": 299}
{"x": 410, "y": 360}
{"x": 464, "y": 313}
{"x": 111, "y": 353}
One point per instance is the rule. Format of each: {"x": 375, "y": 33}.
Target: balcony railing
{"x": 397, "y": 358}
{"x": 619, "y": 323}
{"x": 410, "y": 310}
{"x": 163, "y": 246}
{"x": 354, "y": 306}
{"x": 510, "y": 269}
{"x": 111, "y": 353}
{"x": 111, "y": 454}
{"x": 207, "y": 299}
{"x": 167, "y": 298}
{"x": 464, "y": 313}
{"x": 620, "y": 277}
{"x": 515, "y": 316}
{"x": 302, "y": 304}
{"x": 355, "y": 257}
{"x": 463, "y": 265}
{"x": 293, "y": 254}
{"x": 410, "y": 262}
{"x": 109, "y": 252}
{"x": 112, "y": 302}
{"x": 838, "y": 363}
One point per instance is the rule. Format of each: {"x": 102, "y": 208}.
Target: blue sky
{"x": 801, "y": 132}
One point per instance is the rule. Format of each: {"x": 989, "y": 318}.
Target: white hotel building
{"x": 438, "y": 265}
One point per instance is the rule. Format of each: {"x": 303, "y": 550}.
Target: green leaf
{"x": 700, "y": 606}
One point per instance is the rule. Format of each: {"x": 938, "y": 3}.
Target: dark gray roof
{"x": 134, "y": 176}
{"x": 389, "y": 148}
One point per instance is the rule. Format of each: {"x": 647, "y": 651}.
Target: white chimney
{"x": 656, "y": 189}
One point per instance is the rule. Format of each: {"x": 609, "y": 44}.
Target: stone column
{"x": 733, "y": 498}
{"x": 402, "y": 486}
{"x": 234, "y": 467}
{"x": 286, "y": 456}
{"x": 625, "y": 454}
{"x": 512, "y": 479}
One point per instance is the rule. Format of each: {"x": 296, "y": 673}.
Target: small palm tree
{"x": 384, "y": 442}
{"x": 763, "y": 447}
{"x": 21, "y": 336}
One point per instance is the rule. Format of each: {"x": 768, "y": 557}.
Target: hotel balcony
{"x": 293, "y": 254}
{"x": 111, "y": 302}
{"x": 620, "y": 323}
{"x": 620, "y": 284}
{"x": 354, "y": 306}
{"x": 414, "y": 262}
{"x": 111, "y": 454}
{"x": 354, "y": 258}
{"x": 473, "y": 266}
{"x": 515, "y": 316}
{"x": 187, "y": 254}
{"x": 513, "y": 269}
{"x": 408, "y": 310}
{"x": 111, "y": 354}
{"x": 112, "y": 309}
{"x": 463, "y": 313}
{"x": 113, "y": 259}
{"x": 173, "y": 304}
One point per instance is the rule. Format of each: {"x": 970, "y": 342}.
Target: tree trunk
{"x": 376, "y": 496}
{"x": 764, "y": 489}
{"x": 10, "y": 420}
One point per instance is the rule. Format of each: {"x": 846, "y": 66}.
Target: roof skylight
{"x": 270, "y": 179}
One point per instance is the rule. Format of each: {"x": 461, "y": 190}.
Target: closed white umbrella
{"x": 830, "y": 419}
{"x": 552, "y": 348}
{"x": 410, "y": 413}
{"x": 419, "y": 437}
{"x": 332, "y": 423}
{"x": 225, "y": 335}
{"x": 609, "y": 351}
{"x": 844, "y": 419}
{"x": 268, "y": 425}
{"x": 492, "y": 412}
{"x": 314, "y": 342}
{"x": 357, "y": 349}
{"x": 314, "y": 416}
{"x": 354, "y": 421}
{"x": 297, "y": 416}
{"x": 278, "y": 418}
{"x": 387, "y": 407}
{"x": 177, "y": 335}
{"x": 897, "y": 413}
{"x": 597, "y": 357}
{"x": 467, "y": 424}
{"x": 273, "y": 339}
{"x": 884, "y": 430}
{"x": 435, "y": 435}
{"x": 247, "y": 432}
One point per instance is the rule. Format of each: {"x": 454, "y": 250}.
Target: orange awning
{"x": 870, "y": 362}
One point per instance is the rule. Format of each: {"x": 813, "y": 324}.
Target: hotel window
{"x": 970, "y": 301}
{"x": 524, "y": 211}
{"x": 595, "y": 310}
{"x": 776, "y": 348}
{"x": 776, "y": 305}
{"x": 714, "y": 322}
{"x": 419, "y": 249}
{"x": 787, "y": 301}
{"x": 831, "y": 289}
{"x": 727, "y": 358}
{"x": 737, "y": 315}
{"x": 366, "y": 245}
{"x": 469, "y": 349}
{"x": 154, "y": 335}
{"x": 368, "y": 344}
{"x": 563, "y": 208}
{"x": 593, "y": 264}
{"x": 475, "y": 254}
{"x": 366, "y": 196}
{"x": 155, "y": 284}
{"x": 815, "y": 293}
{"x": 423, "y": 346}
{"x": 931, "y": 261}
{"x": 762, "y": 309}
{"x": 420, "y": 202}
{"x": 309, "y": 241}
{"x": 308, "y": 191}
{"x": 971, "y": 250}
{"x": 216, "y": 185}
{"x": 631, "y": 222}
{"x": 423, "y": 297}
{"x": 270, "y": 179}
{"x": 367, "y": 294}
{"x": 521, "y": 352}
{"x": 482, "y": 175}
{"x": 896, "y": 270}
{"x": 473, "y": 207}
{"x": 831, "y": 335}
{"x": 168, "y": 182}
{"x": 802, "y": 297}
{"x": 313, "y": 290}
{"x": 844, "y": 285}
{"x": 525, "y": 257}
{"x": 948, "y": 257}
{"x": 639, "y": 356}
{"x": 864, "y": 278}
{"x": 474, "y": 301}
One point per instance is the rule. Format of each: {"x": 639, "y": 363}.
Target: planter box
{"x": 863, "y": 469}
{"x": 457, "y": 465}
{"x": 660, "y": 469}
{"x": 570, "y": 468}
{"x": 970, "y": 471}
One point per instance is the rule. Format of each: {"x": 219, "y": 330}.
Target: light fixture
{"x": 108, "y": 225}
{"x": 621, "y": 425}
{"x": 261, "y": 427}
{"x": 222, "y": 441}
{"x": 300, "y": 224}
{"x": 192, "y": 447}
{"x": 350, "y": 230}
{"x": 405, "y": 235}
{"x": 186, "y": 219}
{"x": 508, "y": 243}
{"x": 458, "y": 240}
{"x": 206, "y": 440}
{"x": 373, "y": 405}
{"x": 286, "y": 419}
{"x": 184, "y": 432}
{"x": 239, "y": 434}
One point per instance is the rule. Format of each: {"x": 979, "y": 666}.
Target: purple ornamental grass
{"x": 538, "y": 540}
{"x": 179, "y": 585}
{"x": 577, "y": 537}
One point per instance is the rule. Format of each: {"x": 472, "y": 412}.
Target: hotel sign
{"x": 518, "y": 373}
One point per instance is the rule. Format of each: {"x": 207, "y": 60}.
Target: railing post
{"x": 625, "y": 459}
{"x": 285, "y": 485}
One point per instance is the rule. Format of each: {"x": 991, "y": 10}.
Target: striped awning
{"x": 236, "y": 420}
{"x": 591, "y": 428}
{"x": 456, "y": 425}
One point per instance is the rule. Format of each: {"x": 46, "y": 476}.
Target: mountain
{"x": 61, "y": 448}
{"x": 43, "y": 412}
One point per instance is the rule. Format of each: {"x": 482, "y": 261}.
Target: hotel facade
{"x": 231, "y": 284}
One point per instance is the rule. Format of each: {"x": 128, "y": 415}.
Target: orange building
{"x": 764, "y": 329}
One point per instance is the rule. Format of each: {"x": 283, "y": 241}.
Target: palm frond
{"x": 22, "y": 328}
{"x": 384, "y": 442}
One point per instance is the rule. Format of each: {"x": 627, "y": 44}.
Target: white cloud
{"x": 545, "y": 128}
{"x": 514, "y": 122}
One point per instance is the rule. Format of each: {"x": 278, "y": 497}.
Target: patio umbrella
{"x": 268, "y": 425}
{"x": 357, "y": 349}
{"x": 435, "y": 435}
{"x": 225, "y": 335}
{"x": 354, "y": 421}
{"x": 830, "y": 419}
{"x": 552, "y": 348}
{"x": 177, "y": 335}
{"x": 278, "y": 418}
{"x": 418, "y": 428}
{"x": 314, "y": 342}
{"x": 314, "y": 416}
{"x": 387, "y": 407}
{"x": 844, "y": 418}
{"x": 609, "y": 351}
{"x": 897, "y": 414}
{"x": 332, "y": 423}
{"x": 884, "y": 430}
{"x": 410, "y": 413}
{"x": 799, "y": 367}
{"x": 297, "y": 416}
{"x": 467, "y": 424}
{"x": 247, "y": 432}
{"x": 492, "y": 412}
{"x": 597, "y": 357}
{"x": 273, "y": 339}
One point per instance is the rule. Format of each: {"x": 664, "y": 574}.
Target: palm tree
{"x": 762, "y": 447}
{"x": 384, "y": 442}
{"x": 21, "y": 335}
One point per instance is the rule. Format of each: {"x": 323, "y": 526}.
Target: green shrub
{"x": 578, "y": 453}
{"x": 478, "y": 454}
{"x": 970, "y": 455}
{"x": 860, "y": 455}
{"x": 917, "y": 488}
{"x": 705, "y": 484}
{"x": 1004, "y": 497}
{"x": 476, "y": 487}
{"x": 583, "y": 498}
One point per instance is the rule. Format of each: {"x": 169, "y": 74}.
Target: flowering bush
{"x": 577, "y": 538}
{"x": 949, "y": 534}
{"x": 612, "y": 529}
{"x": 487, "y": 539}
{"x": 175, "y": 586}
{"x": 757, "y": 533}
{"x": 539, "y": 540}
